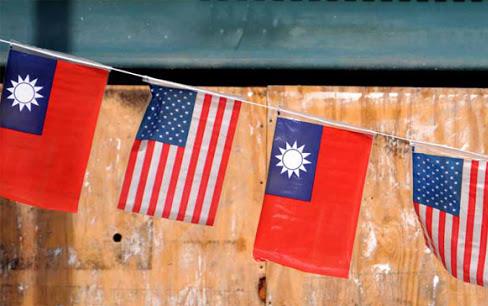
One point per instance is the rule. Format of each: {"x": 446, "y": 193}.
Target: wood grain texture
{"x": 391, "y": 264}
{"x": 53, "y": 258}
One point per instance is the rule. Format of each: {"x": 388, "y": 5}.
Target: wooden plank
{"x": 391, "y": 264}
{"x": 53, "y": 258}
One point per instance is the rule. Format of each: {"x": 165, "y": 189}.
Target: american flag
{"x": 178, "y": 161}
{"x": 452, "y": 206}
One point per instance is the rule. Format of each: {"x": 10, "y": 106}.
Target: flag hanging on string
{"x": 312, "y": 199}
{"x": 450, "y": 199}
{"x": 178, "y": 161}
{"x": 48, "y": 112}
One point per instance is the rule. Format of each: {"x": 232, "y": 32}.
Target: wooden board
{"x": 391, "y": 264}
{"x": 52, "y": 258}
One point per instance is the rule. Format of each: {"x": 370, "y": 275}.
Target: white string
{"x": 59, "y": 55}
{"x": 162, "y": 82}
{"x": 275, "y": 108}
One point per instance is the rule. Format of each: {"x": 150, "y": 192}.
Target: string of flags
{"x": 48, "y": 112}
{"x": 178, "y": 161}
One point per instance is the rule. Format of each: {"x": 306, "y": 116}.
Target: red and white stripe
{"x": 460, "y": 242}
{"x": 183, "y": 183}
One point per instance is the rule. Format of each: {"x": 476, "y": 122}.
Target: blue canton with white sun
{"x": 168, "y": 116}
{"x": 437, "y": 182}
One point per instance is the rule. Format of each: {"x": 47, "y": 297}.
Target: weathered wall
{"x": 51, "y": 258}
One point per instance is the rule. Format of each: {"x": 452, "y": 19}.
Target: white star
{"x": 24, "y": 92}
{"x": 292, "y": 159}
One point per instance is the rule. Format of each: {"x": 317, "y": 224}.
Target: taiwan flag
{"x": 48, "y": 112}
{"x": 312, "y": 199}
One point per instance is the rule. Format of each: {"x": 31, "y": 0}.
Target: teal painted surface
{"x": 258, "y": 34}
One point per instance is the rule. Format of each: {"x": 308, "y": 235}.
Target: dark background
{"x": 267, "y": 42}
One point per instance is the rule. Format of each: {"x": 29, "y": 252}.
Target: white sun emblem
{"x": 24, "y": 92}
{"x": 292, "y": 159}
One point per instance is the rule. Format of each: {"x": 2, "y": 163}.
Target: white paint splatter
{"x": 158, "y": 240}
{"x": 409, "y": 218}
{"x": 382, "y": 268}
{"x": 119, "y": 143}
{"x": 313, "y": 297}
{"x": 118, "y": 146}
{"x": 87, "y": 181}
{"x": 95, "y": 294}
{"x": 56, "y": 251}
{"x": 156, "y": 301}
{"x": 22, "y": 287}
{"x": 375, "y": 95}
{"x": 136, "y": 243}
{"x": 424, "y": 131}
{"x": 371, "y": 242}
{"x": 134, "y": 246}
{"x": 73, "y": 258}
{"x": 187, "y": 255}
{"x": 435, "y": 281}
{"x": 259, "y": 139}
{"x": 192, "y": 295}
{"x": 358, "y": 284}
{"x": 343, "y": 96}
{"x": 19, "y": 221}
{"x": 251, "y": 129}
